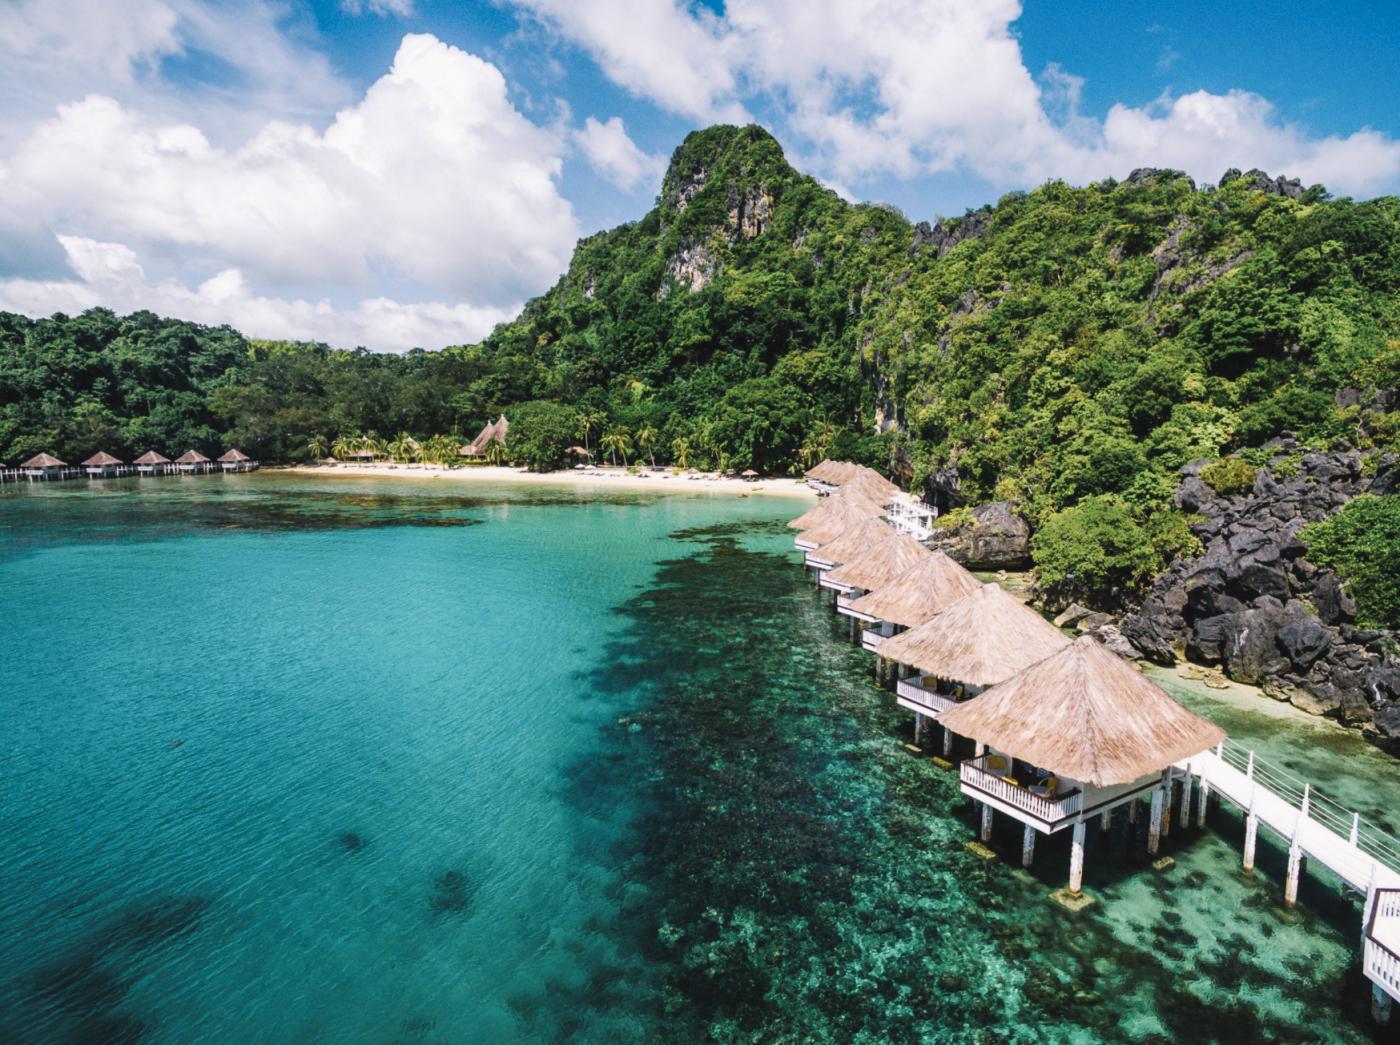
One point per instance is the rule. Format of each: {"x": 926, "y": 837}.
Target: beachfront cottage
{"x": 872, "y": 569}
{"x": 192, "y": 461}
{"x": 838, "y": 504}
{"x": 928, "y": 587}
{"x": 982, "y": 639}
{"x": 152, "y": 463}
{"x": 42, "y": 466}
{"x": 497, "y": 430}
{"x": 836, "y": 515}
{"x": 101, "y": 465}
{"x": 236, "y": 461}
{"x": 852, "y": 541}
{"x": 1071, "y": 737}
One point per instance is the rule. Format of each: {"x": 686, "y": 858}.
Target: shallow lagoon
{"x": 365, "y": 760}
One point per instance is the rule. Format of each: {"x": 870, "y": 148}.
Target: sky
{"x": 406, "y": 173}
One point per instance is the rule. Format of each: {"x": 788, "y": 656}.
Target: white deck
{"x": 872, "y": 638}
{"x": 912, "y": 694}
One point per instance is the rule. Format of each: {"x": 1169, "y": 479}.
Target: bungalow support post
{"x": 1154, "y": 823}
{"x": 986, "y": 833}
{"x": 1027, "y": 846}
{"x": 1381, "y": 1004}
{"x": 1076, "y": 858}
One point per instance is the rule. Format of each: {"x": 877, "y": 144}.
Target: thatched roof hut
{"x": 233, "y": 457}
{"x": 874, "y": 482}
{"x": 191, "y": 457}
{"x": 101, "y": 459}
{"x": 498, "y": 430}
{"x": 151, "y": 457}
{"x": 980, "y": 640}
{"x": 852, "y": 542}
{"x": 44, "y": 460}
{"x": 833, "y": 473}
{"x": 929, "y": 586}
{"x": 876, "y": 567}
{"x": 1087, "y": 714}
{"x": 841, "y": 499}
{"x": 837, "y": 518}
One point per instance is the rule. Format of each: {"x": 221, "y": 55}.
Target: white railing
{"x": 1381, "y": 963}
{"x": 991, "y": 784}
{"x": 915, "y": 692}
{"x": 911, "y": 516}
{"x": 1371, "y": 840}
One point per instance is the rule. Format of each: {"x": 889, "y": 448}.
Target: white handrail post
{"x": 1355, "y": 827}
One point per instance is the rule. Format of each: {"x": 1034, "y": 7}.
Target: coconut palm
{"x": 587, "y": 422}
{"x": 495, "y": 451}
{"x": 680, "y": 452}
{"x": 440, "y": 450}
{"x": 316, "y": 446}
{"x": 345, "y": 445}
{"x": 646, "y": 440}
{"x": 616, "y": 442}
{"x": 404, "y": 448}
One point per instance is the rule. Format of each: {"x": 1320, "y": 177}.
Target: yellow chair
{"x": 1051, "y": 784}
{"x": 928, "y": 682}
{"x": 1012, "y": 781}
{"x": 996, "y": 763}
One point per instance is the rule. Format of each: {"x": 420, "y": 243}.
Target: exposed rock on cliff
{"x": 1254, "y": 604}
{"x": 994, "y": 537}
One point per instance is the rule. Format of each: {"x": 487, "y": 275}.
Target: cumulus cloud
{"x": 433, "y": 177}
{"x": 615, "y": 156}
{"x": 111, "y": 275}
{"x": 906, "y": 87}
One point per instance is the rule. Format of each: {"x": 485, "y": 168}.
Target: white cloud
{"x": 908, "y": 87}
{"x": 401, "y": 8}
{"x": 615, "y": 156}
{"x": 110, "y": 274}
{"x": 433, "y": 177}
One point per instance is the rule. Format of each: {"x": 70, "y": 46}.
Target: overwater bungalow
{"x": 42, "y": 466}
{"x": 498, "y": 430}
{"x": 1071, "y": 737}
{"x": 152, "y": 463}
{"x": 928, "y": 587}
{"x": 982, "y": 639}
{"x": 852, "y": 541}
{"x": 192, "y": 461}
{"x": 836, "y": 505}
{"x": 101, "y": 465}
{"x": 874, "y": 568}
{"x": 236, "y": 461}
{"x": 838, "y": 516}
{"x": 828, "y": 475}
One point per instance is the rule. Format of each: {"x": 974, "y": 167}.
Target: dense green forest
{"x": 1069, "y": 348}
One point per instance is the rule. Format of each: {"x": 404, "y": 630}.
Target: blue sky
{"x": 406, "y": 172}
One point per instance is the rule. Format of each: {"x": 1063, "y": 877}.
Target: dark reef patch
{"x": 452, "y": 893}
{"x": 351, "y": 842}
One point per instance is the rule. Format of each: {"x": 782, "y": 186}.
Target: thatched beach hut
{"x": 236, "y": 461}
{"x": 980, "y": 640}
{"x": 836, "y": 518}
{"x": 192, "y": 461}
{"x": 101, "y": 465}
{"x": 498, "y": 430}
{"x": 876, "y": 566}
{"x": 839, "y": 500}
{"x": 152, "y": 463}
{"x": 1070, "y": 737}
{"x": 853, "y": 541}
{"x": 43, "y": 466}
{"x": 929, "y": 586}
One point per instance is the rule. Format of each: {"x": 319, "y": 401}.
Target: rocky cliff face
{"x": 1253, "y": 604}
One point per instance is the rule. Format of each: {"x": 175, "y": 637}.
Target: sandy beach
{"x": 597, "y": 478}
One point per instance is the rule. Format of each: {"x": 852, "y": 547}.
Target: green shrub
{"x": 1229, "y": 475}
{"x": 1362, "y": 543}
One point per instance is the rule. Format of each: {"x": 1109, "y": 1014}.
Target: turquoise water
{"x": 376, "y": 760}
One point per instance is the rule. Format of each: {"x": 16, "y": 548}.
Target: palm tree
{"x": 587, "y": 421}
{"x": 680, "y": 452}
{"x": 316, "y": 446}
{"x": 404, "y": 448}
{"x": 345, "y": 445}
{"x": 495, "y": 451}
{"x": 616, "y": 442}
{"x": 646, "y": 440}
{"x": 440, "y": 450}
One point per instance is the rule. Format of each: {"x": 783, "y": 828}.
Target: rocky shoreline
{"x": 1254, "y": 606}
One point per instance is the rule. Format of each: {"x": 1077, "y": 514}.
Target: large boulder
{"x": 1331, "y": 600}
{"x": 994, "y": 538}
{"x": 1303, "y": 641}
{"x": 1249, "y": 644}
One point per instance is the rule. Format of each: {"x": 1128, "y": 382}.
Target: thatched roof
{"x": 873, "y": 481}
{"x": 837, "y": 518}
{"x": 1087, "y": 714}
{"x": 234, "y": 456}
{"x": 932, "y": 584}
{"x": 854, "y": 541}
{"x": 980, "y": 640}
{"x": 840, "y": 500}
{"x": 834, "y": 472}
{"x": 100, "y": 459}
{"x": 191, "y": 457}
{"x": 43, "y": 461}
{"x": 883, "y": 562}
{"x": 151, "y": 457}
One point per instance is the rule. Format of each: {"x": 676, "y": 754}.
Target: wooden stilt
{"x": 947, "y": 742}
{"x": 1381, "y": 1004}
{"x": 1251, "y": 835}
{"x": 1185, "y": 817}
{"x": 1201, "y": 800}
{"x": 1027, "y": 846}
{"x": 1295, "y": 872}
{"x": 918, "y": 726}
{"x": 1106, "y": 820}
{"x": 1154, "y": 824}
{"x": 1133, "y": 812}
{"x": 855, "y": 630}
{"x": 986, "y": 833}
{"x": 1076, "y": 859}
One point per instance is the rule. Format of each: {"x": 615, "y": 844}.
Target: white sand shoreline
{"x": 594, "y": 479}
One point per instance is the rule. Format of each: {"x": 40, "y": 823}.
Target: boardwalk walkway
{"x": 1361, "y": 854}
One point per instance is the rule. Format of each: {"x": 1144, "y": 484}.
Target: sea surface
{"x": 373, "y": 760}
